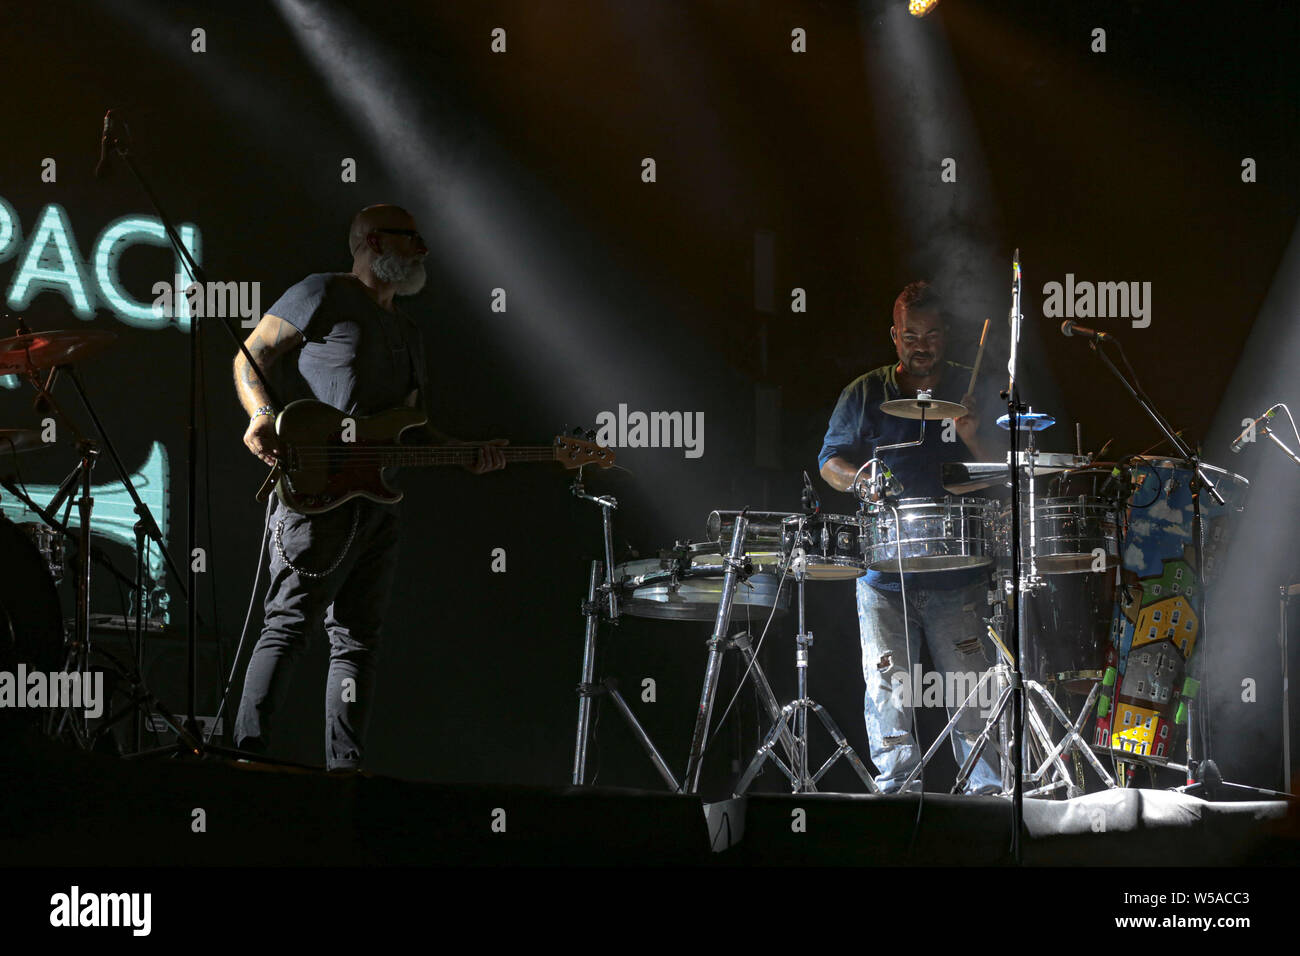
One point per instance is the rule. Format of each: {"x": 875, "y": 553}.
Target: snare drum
{"x": 937, "y": 534}
{"x": 831, "y": 545}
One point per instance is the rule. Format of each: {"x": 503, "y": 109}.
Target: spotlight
{"x": 919, "y": 8}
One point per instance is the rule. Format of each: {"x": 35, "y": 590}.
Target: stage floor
{"x": 63, "y": 807}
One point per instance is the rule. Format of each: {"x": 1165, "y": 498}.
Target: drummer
{"x": 945, "y": 609}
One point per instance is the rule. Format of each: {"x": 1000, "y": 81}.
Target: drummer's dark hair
{"x": 919, "y": 296}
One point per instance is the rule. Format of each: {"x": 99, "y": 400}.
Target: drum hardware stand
{"x": 881, "y": 483}
{"x": 76, "y": 658}
{"x": 588, "y": 688}
{"x": 597, "y": 606}
{"x": 1285, "y": 594}
{"x": 1019, "y": 584}
{"x": 796, "y": 712}
{"x": 1041, "y": 735}
{"x": 593, "y": 608}
{"x": 80, "y": 645}
{"x": 736, "y": 566}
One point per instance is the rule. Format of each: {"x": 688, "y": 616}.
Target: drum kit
{"x": 1108, "y": 589}
{"x": 46, "y": 544}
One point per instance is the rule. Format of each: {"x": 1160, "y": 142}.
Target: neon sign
{"x": 50, "y": 261}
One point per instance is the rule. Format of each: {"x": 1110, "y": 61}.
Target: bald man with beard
{"x": 359, "y": 353}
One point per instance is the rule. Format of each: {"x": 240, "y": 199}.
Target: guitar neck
{"x": 415, "y": 456}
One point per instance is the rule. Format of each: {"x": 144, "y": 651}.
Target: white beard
{"x": 406, "y": 274}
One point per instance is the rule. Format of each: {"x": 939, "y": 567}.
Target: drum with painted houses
{"x": 1157, "y": 621}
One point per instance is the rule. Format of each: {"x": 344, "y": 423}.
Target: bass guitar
{"x": 329, "y": 457}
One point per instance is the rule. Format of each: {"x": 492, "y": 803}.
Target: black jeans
{"x": 335, "y": 568}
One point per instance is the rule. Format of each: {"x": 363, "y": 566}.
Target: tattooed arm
{"x": 272, "y": 339}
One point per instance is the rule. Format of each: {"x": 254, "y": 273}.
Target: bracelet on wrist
{"x": 263, "y": 410}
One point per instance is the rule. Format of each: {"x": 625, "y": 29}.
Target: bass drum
{"x": 31, "y": 620}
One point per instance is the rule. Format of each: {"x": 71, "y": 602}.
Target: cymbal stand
{"x": 77, "y": 645}
{"x": 795, "y": 713}
{"x": 146, "y": 526}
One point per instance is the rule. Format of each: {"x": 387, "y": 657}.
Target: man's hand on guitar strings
{"x": 490, "y": 457}
{"x": 262, "y": 440}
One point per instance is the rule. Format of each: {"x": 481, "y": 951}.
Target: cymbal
{"x": 1029, "y": 422}
{"x": 19, "y": 440}
{"x": 912, "y": 408}
{"x": 41, "y": 350}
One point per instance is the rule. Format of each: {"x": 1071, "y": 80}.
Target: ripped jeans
{"x": 952, "y": 624}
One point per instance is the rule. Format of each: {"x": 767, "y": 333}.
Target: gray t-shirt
{"x": 355, "y": 355}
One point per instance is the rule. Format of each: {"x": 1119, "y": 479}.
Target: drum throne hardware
{"x": 604, "y": 603}
{"x": 795, "y": 713}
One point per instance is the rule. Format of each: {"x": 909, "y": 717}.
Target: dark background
{"x": 523, "y": 170}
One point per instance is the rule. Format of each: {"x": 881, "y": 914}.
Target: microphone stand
{"x": 1014, "y": 409}
{"x": 117, "y": 139}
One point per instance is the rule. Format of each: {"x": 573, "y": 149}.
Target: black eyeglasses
{"x": 409, "y": 233}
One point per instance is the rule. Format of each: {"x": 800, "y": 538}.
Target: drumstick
{"x": 979, "y": 356}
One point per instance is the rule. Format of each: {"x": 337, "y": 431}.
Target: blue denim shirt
{"x": 858, "y": 425}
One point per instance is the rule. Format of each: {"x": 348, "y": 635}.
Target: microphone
{"x": 893, "y": 487}
{"x": 1015, "y": 289}
{"x": 106, "y": 143}
{"x": 1241, "y": 439}
{"x": 1070, "y": 328}
{"x": 811, "y": 503}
